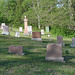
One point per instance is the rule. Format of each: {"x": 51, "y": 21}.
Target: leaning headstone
{"x": 54, "y": 52}
{"x": 20, "y": 29}
{"x": 16, "y": 49}
{"x": 36, "y": 36}
{"x": 42, "y": 31}
{"x": 3, "y": 24}
{"x": 73, "y": 42}
{"x": 5, "y": 30}
{"x": 47, "y": 28}
{"x": 17, "y": 34}
{"x": 25, "y": 26}
{"x": 30, "y": 29}
{"x": 60, "y": 40}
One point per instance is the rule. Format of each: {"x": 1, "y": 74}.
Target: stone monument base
{"x": 5, "y": 33}
{"x": 58, "y": 59}
{"x": 37, "y": 39}
{"x": 72, "y": 45}
{"x": 61, "y": 44}
{"x": 27, "y": 34}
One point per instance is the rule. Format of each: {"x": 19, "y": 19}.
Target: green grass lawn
{"x": 33, "y": 62}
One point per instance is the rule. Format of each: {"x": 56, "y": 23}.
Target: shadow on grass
{"x": 66, "y": 58}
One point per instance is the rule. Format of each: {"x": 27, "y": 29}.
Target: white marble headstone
{"x": 17, "y": 34}
{"x": 3, "y": 24}
{"x": 30, "y": 29}
{"x": 20, "y": 29}
{"x": 42, "y": 31}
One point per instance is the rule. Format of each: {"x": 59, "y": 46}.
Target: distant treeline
{"x": 58, "y": 14}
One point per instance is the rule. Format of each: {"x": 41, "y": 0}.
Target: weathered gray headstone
{"x": 73, "y": 42}
{"x": 54, "y": 52}
{"x": 16, "y": 49}
{"x": 5, "y": 30}
{"x": 36, "y": 36}
{"x": 17, "y": 34}
{"x": 20, "y": 29}
{"x": 42, "y": 31}
{"x": 60, "y": 40}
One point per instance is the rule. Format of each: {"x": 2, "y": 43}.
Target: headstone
{"x": 30, "y": 29}
{"x": 60, "y": 40}
{"x": 47, "y": 28}
{"x": 36, "y": 36}
{"x": 5, "y": 30}
{"x": 54, "y": 52}
{"x": 17, "y": 34}
{"x": 25, "y": 26}
{"x": 20, "y": 29}
{"x": 16, "y": 49}
{"x": 3, "y": 24}
{"x": 73, "y": 42}
{"x": 42, "y": 31}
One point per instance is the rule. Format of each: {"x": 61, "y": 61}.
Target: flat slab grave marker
{"x": 36, "y": 36}
{"x": 73, "y": 42}
{"x": 54, "y": 52}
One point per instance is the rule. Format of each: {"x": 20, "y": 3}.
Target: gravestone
{"x": 20, "y": 29}
{"x": 3, "y": 24}
{"x": 26, "y": 26}
{"x": 5, "y": 30}
{"x": 30, "y": 29}
{"x": 73, "y": 42}
{"x": 47, "y": 28}
{"x": 42, "y": 31}
{"x": 36, "y": 36}
{"x": 60, "y": 40}
{"x": 17, "y": 34}
{"x": 16, "y": 49}
{"x": 54, "y": 52}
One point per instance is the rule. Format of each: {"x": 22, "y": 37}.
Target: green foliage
{"x": 59, "y": 14}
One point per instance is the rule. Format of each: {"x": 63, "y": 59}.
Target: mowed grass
{"x": 33, "y": 62}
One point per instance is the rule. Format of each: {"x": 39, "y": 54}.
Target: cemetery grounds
{"x": 33, "y": 62}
